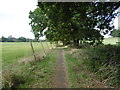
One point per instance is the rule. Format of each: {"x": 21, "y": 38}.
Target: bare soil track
{"x": 60, "y": 78}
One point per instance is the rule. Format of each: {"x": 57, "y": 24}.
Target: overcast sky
{"x": 14, "y": 18}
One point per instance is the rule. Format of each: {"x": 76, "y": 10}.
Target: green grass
{"x": 36, "y": 74}
{"x": 13, "y": 51}
{"x": 71, "y": 62}
{"x": 79, "y": 75}
{"x": 32, "y": 74}
{"x": 111, "y": 40}
{"x": 78, "y": 78}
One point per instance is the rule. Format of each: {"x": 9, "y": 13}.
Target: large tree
{"x": 73, "y": 21}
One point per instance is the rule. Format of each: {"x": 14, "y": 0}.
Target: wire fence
{"x": 45, "y": 46}
{"x": 18, "y": 51}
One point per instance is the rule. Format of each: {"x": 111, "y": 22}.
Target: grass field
{"x": 13, "y": 51}
{"x": 31, "y": 74}
{"x": 35, "y": 74}
{"x": 40, "y": 73}
{"x": 111, "y": 40}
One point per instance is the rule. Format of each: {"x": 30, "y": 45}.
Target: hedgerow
{"x": 104, "y": 61}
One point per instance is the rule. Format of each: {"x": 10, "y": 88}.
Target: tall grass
{"x": 79, "y": 76}
{"x": 104, "y": 61}
{"x": 35, "y": 74}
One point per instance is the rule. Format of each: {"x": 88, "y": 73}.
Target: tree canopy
{"x": 74, "y": 21}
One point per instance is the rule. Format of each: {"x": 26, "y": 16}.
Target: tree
{"x": 115, "y": 33}
{"x": 38, "y": 22}
{"x": 3, "y": 39}
{"x": 73, "y": 21}
{"x": 22, "y": 39}
{"x": 11, "y": 39}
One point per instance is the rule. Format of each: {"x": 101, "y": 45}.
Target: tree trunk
{"x": 76, "y": 43}
{"x": 64, "y": 43}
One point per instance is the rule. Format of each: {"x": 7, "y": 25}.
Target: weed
{"x": 12, "y": 79}
{"x": 104, "y": 62}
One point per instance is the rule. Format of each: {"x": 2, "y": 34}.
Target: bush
{"x": 104, "y": 61}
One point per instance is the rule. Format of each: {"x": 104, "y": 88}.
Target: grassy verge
{"x": 36, "y": 74}
{"x": 79, "y": 77}
{"x": 95, "y": 67}
{"x": 71, "y": 62}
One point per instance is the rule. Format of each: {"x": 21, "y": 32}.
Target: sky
{"x": 14, "y": 18}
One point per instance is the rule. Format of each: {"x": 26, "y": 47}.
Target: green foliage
{"x": 73, "y": 21}
{"x": 105, "y": 62}
{"x": 115, "y": 33}
{"x": 38, "y": 22}
{"x": 79, "y": 76}
{"x": 13, "y": 39}
{"x": 3, "y": 39}
{"x": 22, "y": 39}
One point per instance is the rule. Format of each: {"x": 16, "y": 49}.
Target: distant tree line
{"x": 13, "y": 39}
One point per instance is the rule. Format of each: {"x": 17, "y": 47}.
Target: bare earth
{"x": 60, "y": 78}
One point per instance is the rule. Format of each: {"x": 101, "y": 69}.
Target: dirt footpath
{"x": 60, "y": 79}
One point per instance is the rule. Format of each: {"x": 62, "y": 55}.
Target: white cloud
{"x": 14, "y": 17}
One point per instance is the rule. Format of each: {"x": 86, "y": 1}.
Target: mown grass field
{"x": 111, "y": 40}
{"x": 13, "y": 51}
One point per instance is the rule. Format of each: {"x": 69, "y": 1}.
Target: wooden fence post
{"x": 33, "y": 50}
{"x": 42, "y": 47}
